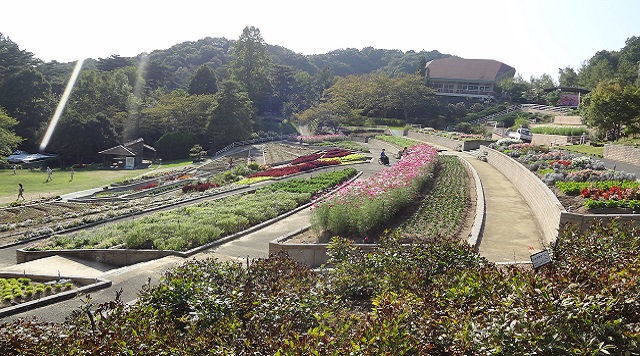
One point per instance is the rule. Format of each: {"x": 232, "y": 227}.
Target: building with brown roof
{"x": 472, "y": 78}
{"x": 128, "y": 155}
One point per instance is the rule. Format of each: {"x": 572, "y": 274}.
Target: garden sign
{"x": 540, "y": 259}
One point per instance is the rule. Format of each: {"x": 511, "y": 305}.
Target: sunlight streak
{"x": 61, "y": 105}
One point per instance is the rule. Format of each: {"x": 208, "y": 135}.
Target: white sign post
{"x": 129, "y": 162}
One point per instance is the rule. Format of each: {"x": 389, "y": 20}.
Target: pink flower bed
{"x": 365, "y": 204}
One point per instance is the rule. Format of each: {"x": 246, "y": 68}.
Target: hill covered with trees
{"x": 214, "y": 90}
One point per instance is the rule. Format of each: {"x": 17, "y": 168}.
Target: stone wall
{"x": 544, "y": 204}
{"x": 625, "y": 154}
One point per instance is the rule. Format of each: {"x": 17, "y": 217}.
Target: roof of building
{"x": 118, "y": 150}
{"x": 487, "y": 70}
{"x": 125, "y": 148}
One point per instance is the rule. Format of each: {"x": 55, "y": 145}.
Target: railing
{"x": 506, "y": 111}
{"x": 512, "y": 108}
{"x": 557, "y": 109}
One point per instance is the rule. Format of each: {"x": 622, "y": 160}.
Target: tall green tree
{"x": 176, "y": 111}
{"x": 113, "y": 62}
{"x": 9, "y": 141}
{"x": 108, "y": 93}
{"x": 79, "y": 138}
{"x": 610, "y": 108}
{"x": 26, "y": 96}
{"x": 601, "y": 67}
{"x": 13, "y": 59}
{"x": 567, "y": 77}
{"x": 251, "y": 66}
{"x": 204, "y": 81}
{"x": 232, "y": 118}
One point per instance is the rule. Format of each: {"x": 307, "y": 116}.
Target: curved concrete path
{"x": 511, "y": 233}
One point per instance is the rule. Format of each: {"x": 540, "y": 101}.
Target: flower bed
{"x": 366, "y": 205}
{"x": 19, "y": 290}
{"x": 288, "y": 170}
{"x": 442, "y": 209}
{"x": 198, "y": 187}
{"x": 188, "y": 227}
{"x": 576, "y": 175}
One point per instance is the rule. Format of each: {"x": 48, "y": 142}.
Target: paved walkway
{"x": 510, "y": 233}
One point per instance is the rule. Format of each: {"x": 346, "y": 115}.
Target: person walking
{"x": 71, "y": 174}
{"x": 20, "y": 192}
{"x": 49, "y": 172}
{"x": 14, "y": 169}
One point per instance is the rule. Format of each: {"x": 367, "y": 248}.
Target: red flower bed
{"x": 306, "y": 158}
{"x": 200, "y": 187}
{"x": 147, "y": 186}
{"x": 287, "y": 170}
{"x": 613, "y": 193}
{"x": 332, "y": 153}
{"x": 563, "y": 162}
{"x": 336, "y": 152}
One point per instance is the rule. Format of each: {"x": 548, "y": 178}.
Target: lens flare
{"x": 61, "y": 105}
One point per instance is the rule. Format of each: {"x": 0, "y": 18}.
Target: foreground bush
{"x": 434, "y": 298}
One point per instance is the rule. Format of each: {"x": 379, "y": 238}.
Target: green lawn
{"x": 584, "y": 149}
{"x": 35, "y": 186}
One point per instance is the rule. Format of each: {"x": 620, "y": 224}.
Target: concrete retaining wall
{"x": 549, "y": 140}
{"x": 448, "y": 142}
{"x": 625, "y": 154}
{"x": 114, "y": 257}
{"x": 544, "y": 204}
{"x": 583, "y": 221}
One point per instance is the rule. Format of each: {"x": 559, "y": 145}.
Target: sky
{"x": 533, "y": 36}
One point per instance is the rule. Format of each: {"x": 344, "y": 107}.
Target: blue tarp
{"x": 24, "y": 157}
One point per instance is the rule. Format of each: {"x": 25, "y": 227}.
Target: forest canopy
{"x": 180, "y": 89}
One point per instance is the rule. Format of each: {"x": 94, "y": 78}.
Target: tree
{"x": 204, "y": 81}
{"x": 26, "y": 96}
{"x": 610, "y": 108}
{"x": 567, "y": 77}
{"x": 601, "y": 67}
{"x": 196, "y": 153}
{"x": 113, "y": 62}
{"x": 175, "y": 145}
{"x": 328, "y": 116}
{"x": 232, "y": 118}
{"x": 536, "y": 91}
{"x": 251, "y": 66}
{"x": 9, "y": 141}
{"x": 13, "y": 59}
{"x": 79, "y": 138}
{"x": 176, "y": 112}
{"x": 422, "y": 67}
{"x": 515, "y": 88}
